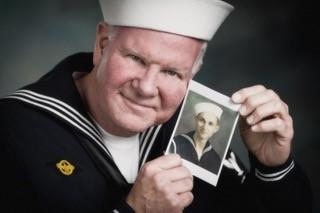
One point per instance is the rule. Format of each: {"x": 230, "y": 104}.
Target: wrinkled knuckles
{"x": 188, "y": 183}
{"x": 189, "y": 198}
{"x": 286, "y": 107}
{"x": 187, "y": 172}
{"x": 250, "y": 104}
{"x": 289, "y": 121}
{"x": 186, "y": 199}
{"x": 272, "y": 94}
{"x": 260, "y": 87}
{"x": 148, "y": 170}
{"x": 256, "y": 88}
{"x": 278, "y": 106}
{"x": 280, "y": 124}
{"x": 257, "y": 114}
{"x": 175, "y": 158}
{"x": 289, "y": 127}
{"x": 159, "y": 182}
{"x": 175, "y": 203}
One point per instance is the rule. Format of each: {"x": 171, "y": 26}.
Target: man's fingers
{"x": 241, "y": 95}
{"x": 161, "y": 163}
{"x": 270, "y": 109}
{"x": 270, "y": 125}
{"x": 254, "y": 101}
{"x": 175, "y": 174}
{"x": 178, "y": 180}
{"x": 186, "y": 199}
{"x": 275, "y": 125}
{"x": 182, "y": 186}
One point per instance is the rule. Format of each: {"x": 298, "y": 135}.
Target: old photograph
{"x": 204, "y": 131}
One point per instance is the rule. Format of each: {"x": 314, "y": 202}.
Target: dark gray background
{"x": 274, "y": 42}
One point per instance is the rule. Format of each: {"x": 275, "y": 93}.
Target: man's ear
{"x": 102, "y": 38}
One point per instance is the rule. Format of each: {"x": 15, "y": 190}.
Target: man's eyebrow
{"x": 145, "y": 57}
{"x": 175, "y": 69}
{"x": 126, "y": 50}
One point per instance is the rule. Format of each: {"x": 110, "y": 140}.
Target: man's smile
{"x": 136, "y": 106}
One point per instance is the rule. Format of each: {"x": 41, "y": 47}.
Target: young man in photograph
{"x": 196, "y": 146}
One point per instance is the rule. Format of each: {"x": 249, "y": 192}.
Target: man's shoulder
{"x": 184, "y": 137}
{"x": 14, "y": 112}
{"x": 10, "y": 107}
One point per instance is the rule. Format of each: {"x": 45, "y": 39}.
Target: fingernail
{"x": 250, "y": 119}
{"x": 254, "y": 128}
{"x": 236, "y": 97}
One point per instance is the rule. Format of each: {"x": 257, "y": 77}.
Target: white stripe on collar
{"x": 144, "y": 139}
{"x": 144, "y": 152}
{"x": 63, "y": 111}
{"x": 188, "y": 139}
{"x": 208, "y": 148}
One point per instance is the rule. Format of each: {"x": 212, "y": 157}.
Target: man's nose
{"x": 147, "y": 84}
{"x": 205, "y": 126}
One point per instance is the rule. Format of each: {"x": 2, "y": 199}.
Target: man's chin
{"x": 135, "y": 126}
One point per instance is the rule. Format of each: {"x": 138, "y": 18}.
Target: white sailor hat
{"x": 194, "y": 18}
{"x": 208, "y": 107}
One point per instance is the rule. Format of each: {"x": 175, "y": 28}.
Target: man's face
{"x": 141, "y": 78}
{"x": 206, "y": 125}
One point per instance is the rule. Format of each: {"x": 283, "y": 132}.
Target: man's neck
{"x": 199, "y": 144}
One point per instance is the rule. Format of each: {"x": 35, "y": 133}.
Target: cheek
{"x": 115, "y": 73}
{"x": 172, "y": 96}
{"x": 197, "y": 127}
{"x": 212, "y": 130}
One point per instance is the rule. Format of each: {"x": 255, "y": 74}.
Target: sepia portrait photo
{"x": 203, "y": 132}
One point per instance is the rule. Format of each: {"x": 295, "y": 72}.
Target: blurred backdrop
{"x": 274, "y": 42}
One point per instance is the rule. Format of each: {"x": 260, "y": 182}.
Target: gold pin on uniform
{"x": 65, "y": 167}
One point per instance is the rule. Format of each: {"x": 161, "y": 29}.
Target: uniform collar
{"x": 57, "y": 94}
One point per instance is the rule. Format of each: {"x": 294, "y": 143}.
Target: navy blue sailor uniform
{"x": 53, "y": 159}
{"x": 184, "y": 145}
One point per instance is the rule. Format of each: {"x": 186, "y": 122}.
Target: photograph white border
{"x": 221, "y": 99}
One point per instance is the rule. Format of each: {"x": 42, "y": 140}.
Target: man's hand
{"x": 266, "y": 126}
{"x": 162, "y": 185}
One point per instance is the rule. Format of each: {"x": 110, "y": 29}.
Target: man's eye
{"x": 171, "y": 73}
{"x": 137, "y": 59}
{"x": 201, "y": 120}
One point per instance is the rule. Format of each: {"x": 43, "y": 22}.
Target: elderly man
{"x": 89, "y": 135}
{"x": 196, "y": 146}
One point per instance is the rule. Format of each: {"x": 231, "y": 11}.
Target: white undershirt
{"x": 125, "y": 153}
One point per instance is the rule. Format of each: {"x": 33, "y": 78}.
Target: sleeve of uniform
{"x": 284, "y": 188}
{"x": 123, "y": 207}
{"x": 261, "y": 189}
{"x": 14, "y": 196}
